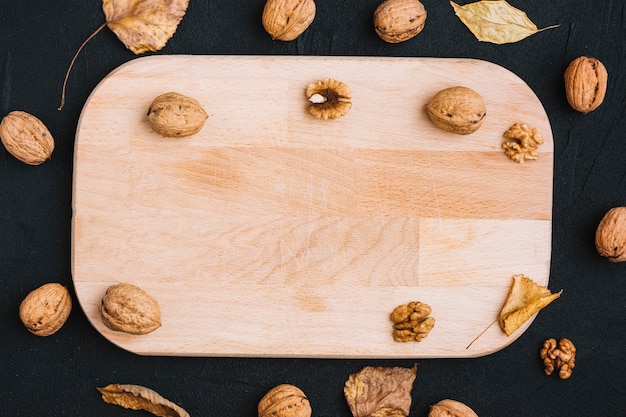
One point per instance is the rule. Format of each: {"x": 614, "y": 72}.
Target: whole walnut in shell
{"x": 46, "y": 309}
{"x": 451, "y": 408}
{"x": 397, "y": 21}
{"x": 586, "y": 81}
{"x": 26, "y": 137}
{"x": 457, "y": 109}
{"x": 285, "y": 20}
{"x": 176, "y": 115}
{"x": 284, "y": 400}
{"x": 611, "y": 235}
{"x": 127, "y": 308}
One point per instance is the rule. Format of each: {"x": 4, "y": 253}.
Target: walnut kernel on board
{"x": 329, "y": 99}
{"x": 411, "y": 322}
{"x": 523, "y": 144}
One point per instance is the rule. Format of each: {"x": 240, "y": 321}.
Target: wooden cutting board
{"x": 272, "y": 233}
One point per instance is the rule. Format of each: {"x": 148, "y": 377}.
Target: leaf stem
{"x": 481, "y": 333}
{"x": 67, "y": 74}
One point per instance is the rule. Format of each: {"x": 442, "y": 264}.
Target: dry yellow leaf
{"x": 137, "y": 397}
{"x": 524, "y": 300}
{"x": 144, "y": 25}
{"x": 496, "y": 21}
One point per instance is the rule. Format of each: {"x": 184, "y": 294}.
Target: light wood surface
{"x": 271, "y": 233}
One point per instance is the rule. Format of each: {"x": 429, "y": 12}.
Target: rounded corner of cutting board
{"x": 97, "y": 171}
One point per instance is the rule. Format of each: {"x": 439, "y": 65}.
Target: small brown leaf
{"x": 496, "y": 21}
{"x": 137, "y": 397}
{"x": 380, "y": 391}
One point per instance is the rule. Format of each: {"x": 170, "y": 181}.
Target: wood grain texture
{"x": 271, "y": 233}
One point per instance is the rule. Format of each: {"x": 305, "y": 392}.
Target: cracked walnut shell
{"x": 127, "y": 308}
{"x": 26, "y": 138}
{"x": 284, "y": 400}
{"x": 457, "y": 109}
{"x": 585, "y": 84}
{"x": 46, "y": 309}
{"x": 611, "y": 235}
{"x": 285, "y": 20}
{"x": 329, "y": 99}
{"x": 397, "y": 21}
{"x": 559, "y": 357}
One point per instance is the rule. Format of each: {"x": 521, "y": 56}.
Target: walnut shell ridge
{"x": 397, "y": 21}
{"x": 457, "y": 109}
{"x": 611, "y": 235}
{"x": 284, "y": 400}
{"x": 285, "y": 20}
{"x": 46, "y": 309}
{"x": 26, "y": 137}
{"x": 451, "y": 408}
{"x": 127, "y": 308}
{"x": 586, "y": 81}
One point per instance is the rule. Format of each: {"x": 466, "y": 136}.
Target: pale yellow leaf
{"x": 144, "y": 25}
{"x": 136, "y": 397}
{"x": 496, "y": 21}
{"x": 524, "y": 300}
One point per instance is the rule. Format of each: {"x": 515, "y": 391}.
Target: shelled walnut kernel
{"x": 526, "y": 140}
{"x": 558, "y": 357}
{"x": 329, "y": 99}
{"x": 412, "y": 321}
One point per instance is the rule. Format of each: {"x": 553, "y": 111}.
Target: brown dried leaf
{"x": 524, "y": 300}
{"x": 380, "y": 391}
{"x": 137, "y": 397}
{"x": 496, "y": 21}
{"x": 144, "y": 25}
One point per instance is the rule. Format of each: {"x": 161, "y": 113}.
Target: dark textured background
{"x": 58, "y": 375}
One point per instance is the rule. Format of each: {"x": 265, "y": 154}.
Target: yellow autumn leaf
{"x": 496, "y": 21}
{"x": 136, "y": 397}
{"x": 144, "y": 25}
{"x": 524, "y": 300}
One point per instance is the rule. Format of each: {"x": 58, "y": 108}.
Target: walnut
{"x": 329, "y": 99}
{"x": 46, "y": 309}
{"x": 284, "y": 400}
{"x": 399, "y": 20}
{"x": 127, "y": 308}
{"x": 457, "y": 109}
{"x": 586, "y": 80}
{"x": 451, "y": 408}
{"x": 412, "y": 321}
{"x": 525, "y": 142}
{"x": 560, "y": 358}
{"x": 287, "y": 19}
{"x": 611, "y": 235}
{"x": 176, "y": 115}
{"x": 26, "y": 138}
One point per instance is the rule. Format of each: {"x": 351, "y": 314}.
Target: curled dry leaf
{"x": 525, "y": 299}
{"x": 380, "y": 391}
{"x": 137, "y": 397}
{"x": 142, "y": 25}
{"x": 496, "y": 21}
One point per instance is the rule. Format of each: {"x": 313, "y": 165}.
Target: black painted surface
{"x": 58, "y": 375}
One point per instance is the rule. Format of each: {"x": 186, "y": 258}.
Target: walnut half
{"x": 412, "y": 321}
{"x": 329, "y": 99}
{"x": 558, "y": 357}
